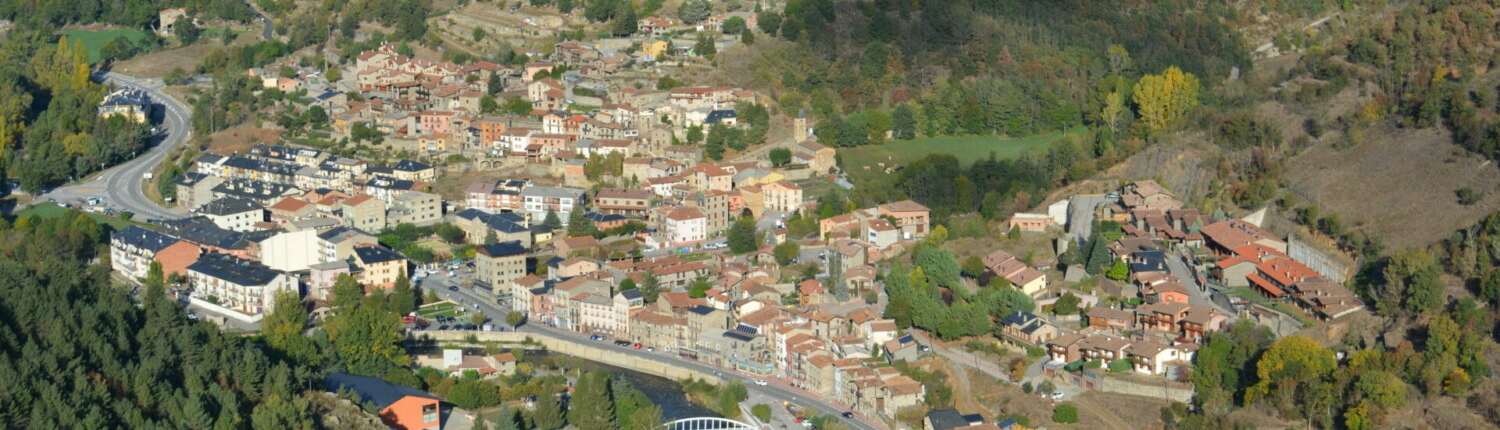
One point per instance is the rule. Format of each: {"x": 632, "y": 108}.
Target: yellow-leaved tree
{"x": 1163, "y": 99}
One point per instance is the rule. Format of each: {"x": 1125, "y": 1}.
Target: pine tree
{"x": 552, "y": 221}
{"x": 403, "y": 297}
{"x": 650, "y": 287}
{"x": 506, "y": 420}
{"x": 549, "y": 413}
{"x": 592, "y": 407}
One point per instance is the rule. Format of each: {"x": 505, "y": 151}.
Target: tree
{"x": 786, "y": 252}
{"x": 650, "y": 287}
{"x": 693, "y": 11}
{"x": 185, "y": 31}
{"x": 733, "y": 25}
{"x": 479, "y": 318}
{"x": 578, "y": 223}
{"x": 1383, "y": 389}
{"x": 403, "y": 296}
{"x": 1066, "y": 305}
{"x": 1424, "y": 291}
{"x": 549, "y": 413}
{"x": 552, "y": 221}
{"x": 514, "y": 318}
{"x": 627, "y": 284}
{"x": 747, "y": 37}
{"x": 346, "y": 291}
{"x": 625, "y": 22}
{"x": 1163, "y": 99}
{"x": 742, "y": 236}
{"x": 1112, "y": 112}
{"x": 768, "y": 21}
{"x": 705, "y": 46}
{"x": 506, "y": 420}
{"x": 973, "y": 267}
{"x": 591, "y": 407}
{"x": 699, "y": 288}
{"x": 1293, "y": 360}
{"x": 1467, "y": 196}
{"x": 365, "y": 338}
{"x": 1065, "y": 414}
{"x": 284, "y": 326}
{"x": 1118, "y": 271}
{"x": 780, "y": 156}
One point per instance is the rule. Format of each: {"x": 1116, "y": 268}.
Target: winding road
{"x": 120, "y": 186}
{"x": 774, "y": 389}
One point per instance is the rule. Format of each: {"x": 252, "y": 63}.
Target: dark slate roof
{"x": 737, "y": 335}
{"x": 1148, "y": 261}
{"x": 262, "y": 166}
{"x": 719, "y": 115}
{"x": 190, "y": 178}
{"x": 502, "y": 222}
{"x": 126, "y": 96}
{"x": 598, "y": 217}
{"x": 375, "y": 254}
{"x": 700, "y": 310}
{"x": 252, "y": 189}
{"x": 632, "y": 294}
{"x": 202, "y": 231}
{"x": 945, "y": 419}
{"x": 540, "y": 228}
{"x": 390, "y": 183}
{"x": 502, "y": 249}
{"x": 341, "y": 233}
{"x": 1017, "y": 317}
{"x": 142, "y": 238}
{"x": 229, "y": 206}
{"x": 410, "y": 166}
{"x": 372, "y": 389}
{"x": 233, "y": 269}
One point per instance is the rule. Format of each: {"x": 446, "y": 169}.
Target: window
{"x": 430, "y": 413}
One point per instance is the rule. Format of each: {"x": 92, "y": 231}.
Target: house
{"x": 1223, "y": 237}
{"x": 131, "y": 103}
{"x": 415, "y": 207}
{"x": 1110, "y": 319}
{"x": 234, "y": 213}
{"x": 618, "y": 201}
{"x": 579, "y": 245}
{"x": 1324, "y": 299}
{"x": 1272, "y": 278}
{"x": 950, "y": 419}
{"x": 338, "y": 243}
{"x": 815, "y": 155}
{"x": 1027, "y": 328}
{"x": 167, "y": 20}
{"x": 501, "y": 196}
{"x": 538, "y": 201}
{"x": 911, "y": 217}
{"x": 399, "y": 407}
{"x": 132, "y": 250}
{"x": 364, "y": 212}
{"x": 1030, "y": 222}
{"x": 291, "y": 209}
{"x": 506, "y": 226}
{"x": 379, "y": 267}
{"x": 237, "y": 284}
{"x": 195, "y": 188}
{"x": 1148, "y": 194}
{"x": 685, "y": 225}
{"x": 1234, "y": 271}
{"x": 1189, "y": 323}
{"x": 413, "y": 171}
{"x": 497, "y": 264}
{"x": 904, "y": 348}
{"x": 782, "y": 196}
{"x": 1005, "y": 265}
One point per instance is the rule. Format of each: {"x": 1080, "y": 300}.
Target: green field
{"x": 446, "y": 309}
{"x": 95, "y": 40}
{"x": 50, "y": 210}
{"x": 968, "y": 149}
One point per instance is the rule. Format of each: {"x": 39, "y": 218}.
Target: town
{"x": 736, "y": 214}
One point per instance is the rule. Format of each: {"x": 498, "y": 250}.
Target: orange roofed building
{"x": 401, "y": 408}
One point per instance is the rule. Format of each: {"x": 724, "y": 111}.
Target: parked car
{"x": 1057, "y": 395}
{"x": 453, "y": 288}
{"x": 637, "y": 346}
{"x": 443, "y": 327}
{"x": 848, "y": 414}
{"x": 761, "y": 382}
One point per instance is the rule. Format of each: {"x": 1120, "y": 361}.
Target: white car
{"x": 761, "y": 382}
{"x": 1057, "y": 395}
{"x": 432, "y": 271}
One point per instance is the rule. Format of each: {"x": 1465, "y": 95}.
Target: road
{"x": 266, "y": 32}
{"x": 1197, "y": 293}
{"x": 1081, "y": 216}
{"x": 121, "y": 185}
{"x": 773, "y": 390}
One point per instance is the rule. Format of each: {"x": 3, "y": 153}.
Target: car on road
{"x": 596, "y": 337}
{"x": 432, "y": 271}
{"x": 622, "y": 343}
{"x": 453, "y": 288}
{"x": 761, "y": 382}
{"x": 648, "y": 349}
{"x": 443, "y": 327}
{"x": 637, "y": 346}
{"x": 1057, "y": 395}
{"x": 848, "y": 414}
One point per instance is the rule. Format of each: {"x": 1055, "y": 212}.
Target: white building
{"x": 292, "y": 251}
{"x": 232, "y": 213}
{"x": 238, "y": 284}
{"x": 686, "y": 225}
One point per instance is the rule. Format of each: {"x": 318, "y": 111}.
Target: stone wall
{"x": 1167, "y": 390}
{"x": 601, "y": 352}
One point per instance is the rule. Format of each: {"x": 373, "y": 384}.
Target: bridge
{"x": 707, "y": 423}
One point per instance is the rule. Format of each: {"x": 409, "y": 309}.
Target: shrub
{"x": 1065, "y": 414}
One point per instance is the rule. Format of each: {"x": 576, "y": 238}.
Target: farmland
{"x": 95, "y": 40}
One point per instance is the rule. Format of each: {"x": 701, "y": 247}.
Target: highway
{"x": 121, "y": 185}
{"x": 775, "y": 389}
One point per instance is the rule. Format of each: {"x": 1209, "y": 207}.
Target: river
{"x": 662, "y": 391}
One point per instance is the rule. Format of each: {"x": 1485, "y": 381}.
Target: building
{"x": 619, "y": 201}
{"x": 399, "y": 407}
{"x": 195, "y": 188}
{"x": 132, "y": 250}
{"x": 416, "y": 208}
{"x": 1005, "y": 265}
{"x": 238, "y": 284}
{"x": 781, "y": 196}
{"x": 291, "y": 251}
{"x": 950, "y": 419}
{"x": 338, "y": 243}
{"x": 234, "y": 213}
{"x": 911, "y": 217}
{"x": 379, "y": 267}
{"x": 1224, "y": 237}
{"x": 1324, "y": 299}
{"x": 478, "y": 225}
{"x": 685, "y": 225}
{"x": 131, "y": 103}
{"x": 497, "y": 264}
{"x": 413, "y": 171}
{"x": 1030, "y": 222}
{"x": 540, "y": 200}
{"x": 364, "y": 212}
{"x": 168, "y": 20}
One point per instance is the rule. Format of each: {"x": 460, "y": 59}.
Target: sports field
{"x": 968, "y": 149}
{"x": 95, "y": 40}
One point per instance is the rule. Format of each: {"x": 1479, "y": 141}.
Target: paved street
{"x": 1196, "y": 294}
{"x": 1081, "y": 215}
{"x": 776, "y": 390}
{"x": 121, "y": 185}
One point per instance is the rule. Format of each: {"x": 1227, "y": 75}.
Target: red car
{"x": 637, "y": 346}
